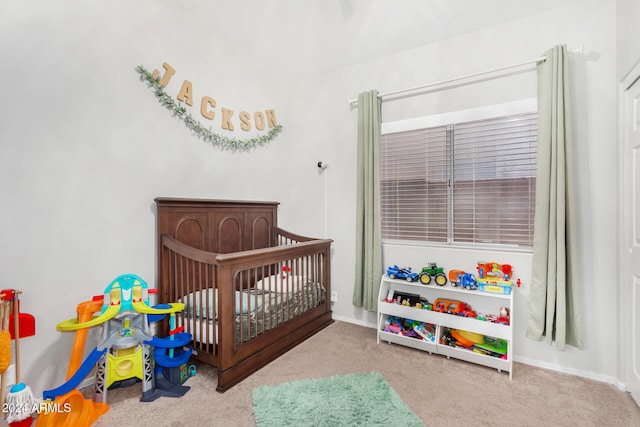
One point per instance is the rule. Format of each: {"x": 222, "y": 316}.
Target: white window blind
{"x": 469, "y": 182}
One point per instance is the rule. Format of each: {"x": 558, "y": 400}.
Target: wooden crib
{"x": 251, "y": 290}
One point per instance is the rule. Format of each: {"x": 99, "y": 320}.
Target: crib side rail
{"x": 259, "y": 257}
{"x": 239, "y": 338}
{"x": 273, "y": 307}
{"x": 284, "y": 237}
{"x": 189, "y": 276}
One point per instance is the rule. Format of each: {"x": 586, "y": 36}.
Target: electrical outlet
{"x": 334, "y": 296}
{"x": 10, "y": 375}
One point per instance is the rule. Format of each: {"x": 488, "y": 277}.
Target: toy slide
{"x": 82, "y": 412}
{"x": 74, "y": 325}
{"x": 85, "y": 310}
{"x": 161, "y": 344}
{"x": 178, "y": 340}
{"x": 76, "y": 378}
{"x": 165, "y": 361}
{"x": 141, "y": 307}
{"x": 157, "y": 317}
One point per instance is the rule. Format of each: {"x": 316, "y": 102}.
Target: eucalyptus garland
{"x": 206, "y": 134}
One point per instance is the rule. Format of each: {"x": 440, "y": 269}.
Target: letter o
{"x": 258, "y": 120}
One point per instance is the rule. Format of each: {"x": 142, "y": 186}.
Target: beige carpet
{"x": 440, "y": 391}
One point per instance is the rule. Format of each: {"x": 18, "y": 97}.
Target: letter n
{"x": 271, "y": 118}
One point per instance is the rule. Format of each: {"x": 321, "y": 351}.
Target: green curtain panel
{"x": 368, "y": 235}
{"x": 554, "y": 309}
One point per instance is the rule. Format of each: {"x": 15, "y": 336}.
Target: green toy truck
{"x": 433, "y": 272}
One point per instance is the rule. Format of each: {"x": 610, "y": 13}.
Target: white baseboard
{"x": 355, "y": 322}
{"x": 527, "y": 361}
{"x": 568, "y": 370}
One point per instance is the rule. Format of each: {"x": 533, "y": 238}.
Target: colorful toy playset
{"x": 492, "y": 277}
{"x": 126, "y": 355}
{"x": 449, "y": 306}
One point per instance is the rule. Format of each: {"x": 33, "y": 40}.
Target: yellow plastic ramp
{"x": 141, "y": 307}
{"x": 73, "y": 325}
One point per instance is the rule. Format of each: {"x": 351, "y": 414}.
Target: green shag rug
{"x": 364, "y": 399}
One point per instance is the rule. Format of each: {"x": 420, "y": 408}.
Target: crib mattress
{"x": 257, "y": 310}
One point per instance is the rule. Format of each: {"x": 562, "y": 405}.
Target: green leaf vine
{"x": 206, "y": 134}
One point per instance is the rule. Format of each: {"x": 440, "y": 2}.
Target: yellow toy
{"x": 125, "y": 353}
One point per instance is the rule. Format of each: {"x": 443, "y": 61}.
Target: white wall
{"x": 588, "y": 23}
{"x": 628, "y": 49}
{"x": 86, "y": 147}
{"x": 628, "y": 57}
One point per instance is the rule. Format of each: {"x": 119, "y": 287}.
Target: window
{"x": 465, "y": 177}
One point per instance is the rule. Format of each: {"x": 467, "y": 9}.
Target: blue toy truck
{"x": 465, "y": 280}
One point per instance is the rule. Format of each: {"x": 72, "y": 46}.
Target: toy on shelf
{"x": 426, "y": 330}
{"x": 463, "y": 279}
{"x": 503, "y": 318}
{"x": 433, "y": 272}
{"x": 395, "y": 272}
{"x": 493, "y": 269}
{"x": 466, "y": 339}
{"x": 495, "y": 278}
{"x": 458, "y": 308}
{"x": 494, "y": 347}
{"x": 408, "y": 300}
{"x": 478, "y": 343}
{"x": 410, "y": 328}
{"x": 393, "y": 325}
{"x": 123, "y": 357}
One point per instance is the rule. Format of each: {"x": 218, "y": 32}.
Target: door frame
{"x": 625, "y": 317}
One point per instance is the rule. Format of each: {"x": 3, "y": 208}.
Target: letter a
{"x": 185, "y": 94}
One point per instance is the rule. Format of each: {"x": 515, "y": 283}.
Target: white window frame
{"x": 481, "y": 113}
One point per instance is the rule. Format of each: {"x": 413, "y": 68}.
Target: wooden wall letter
{"x": 245, "y": 120}
{"x": 271, "y": 118}
{"x": 258, "y": 120}
{"x": 207, "y": 101}
{"x": 186, "y": 93}
{"x": 226, "y": 119}
{"x": 169, "y": 71}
